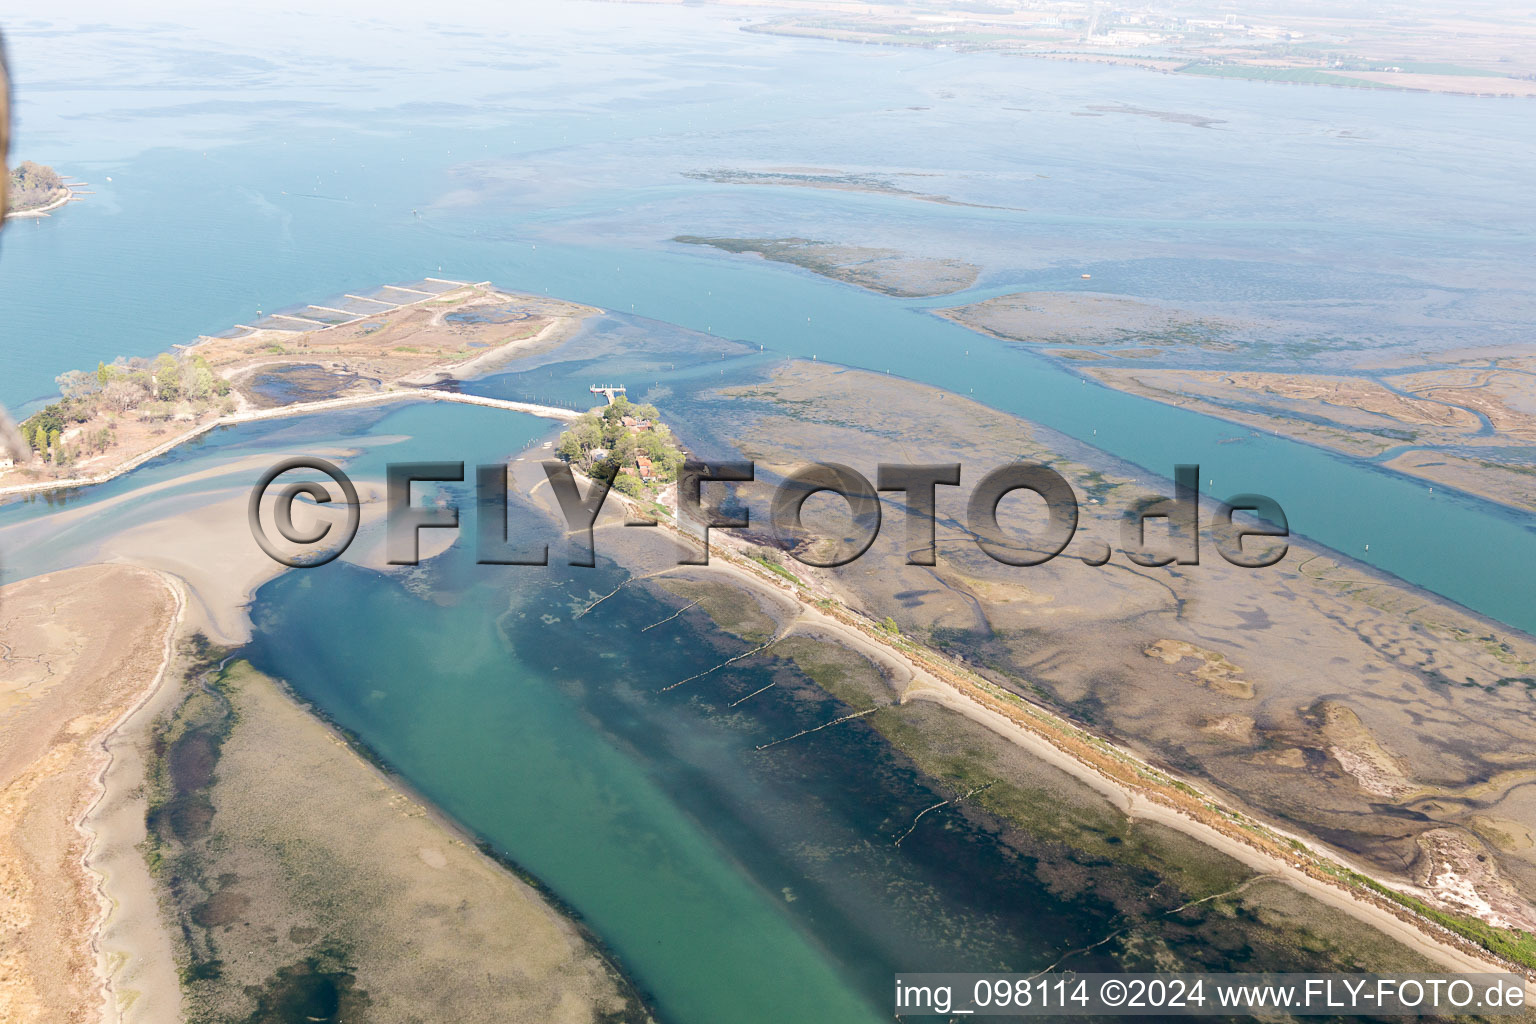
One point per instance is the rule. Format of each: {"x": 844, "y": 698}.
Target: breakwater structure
{"x": 346, "y": 309}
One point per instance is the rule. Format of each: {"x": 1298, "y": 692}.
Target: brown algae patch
{"x": 1235, "y": 727}
{"x": 1505, "y": 833}
{"x": 830, "y": 179}
{"x": 1357, "y": 751}
{"x": 728, "y": 607}
{"x": 1213, "y": 670}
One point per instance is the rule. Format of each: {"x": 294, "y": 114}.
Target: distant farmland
{"x": 1272, "y": 74}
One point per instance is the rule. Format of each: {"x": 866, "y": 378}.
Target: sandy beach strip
{"x": 42, "y": 211}
{"x": 416, "y": 855}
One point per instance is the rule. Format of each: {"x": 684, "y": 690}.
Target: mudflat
{"x": 302, "y": 880}
{"x": 79, "y": 650}
{"x": 1302, "y": 692}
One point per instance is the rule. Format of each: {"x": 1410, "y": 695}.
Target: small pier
{"x": 610, "y": 391}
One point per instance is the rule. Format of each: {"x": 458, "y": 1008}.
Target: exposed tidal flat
{"x": 1079, "y": 319}
{"x": 1467, "y": 422}
{"x": 837, "y": 857}
{"x": 1300, "y": 691}
{"x": 883, "y": 270}
{"x": 81, "y": 650}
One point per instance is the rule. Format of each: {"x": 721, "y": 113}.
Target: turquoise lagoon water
{"x": 286, "y": 160}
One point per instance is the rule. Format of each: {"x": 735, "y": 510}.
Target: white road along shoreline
{"x": 297, "y": 409}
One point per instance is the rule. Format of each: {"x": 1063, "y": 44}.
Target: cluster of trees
{"x": 155, "y": 390}
{"x": 48, "y": 442}
{"x": 600, "y": 444}
{"x": 33, "y": 185}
